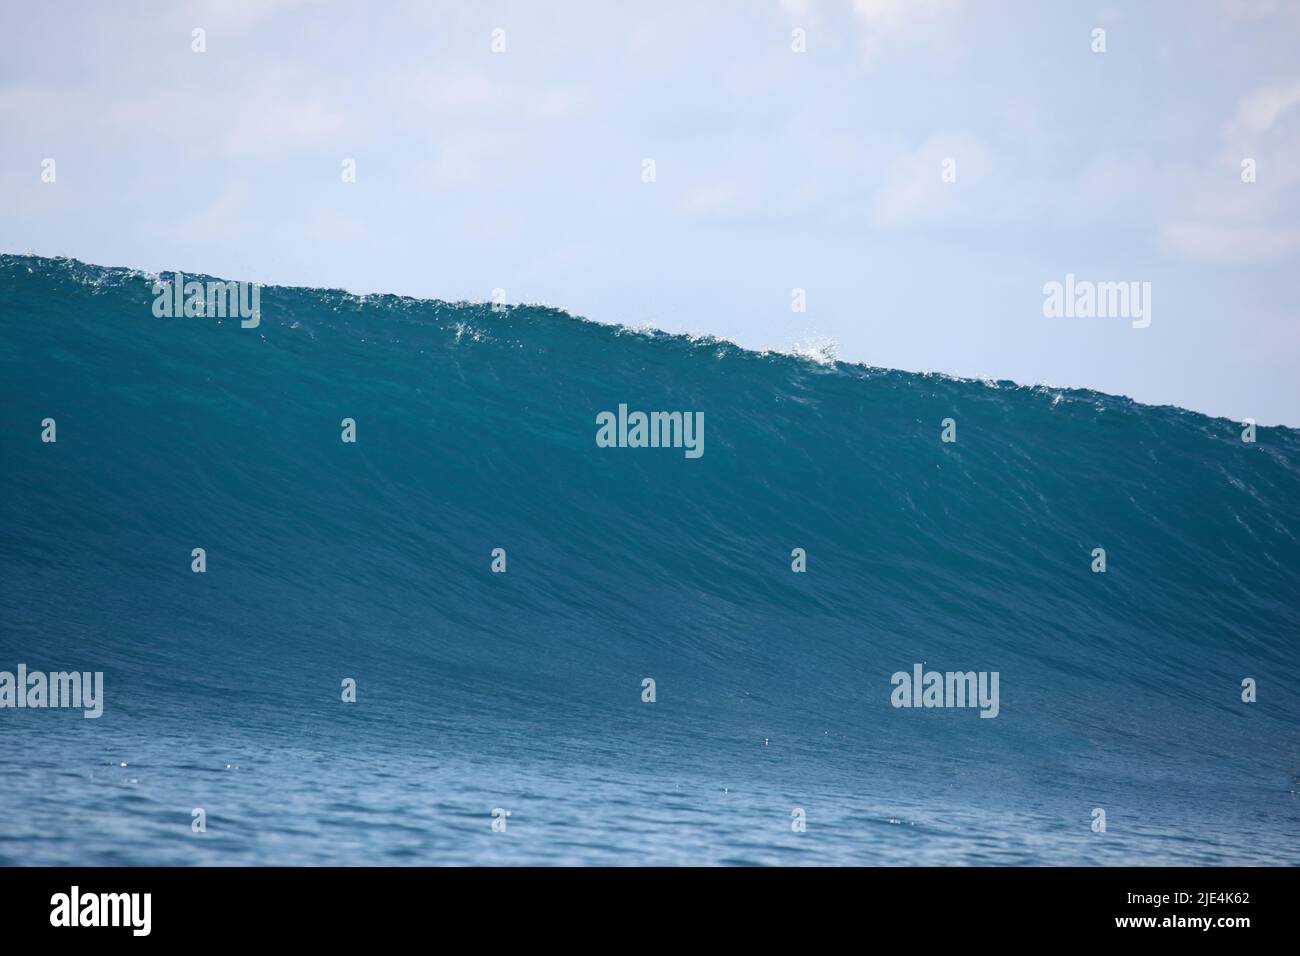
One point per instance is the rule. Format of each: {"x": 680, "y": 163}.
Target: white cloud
{"x": 468, "y": 93}
{"x": 236, "y": 16}
{"x": 465, "y": 156}
{"x": 1217, "y": 244}
{"x": 883, "y": 21}
{"x": 1238, "y": 223}
{"x": 712, "y": 198}
{"x": 1259, "y": 111}
{"x": 915, "y": 193}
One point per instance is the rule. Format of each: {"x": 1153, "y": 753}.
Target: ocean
{"x": 502, "y": 717}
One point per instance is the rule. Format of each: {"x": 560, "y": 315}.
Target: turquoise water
{"x": 522, "y": 691}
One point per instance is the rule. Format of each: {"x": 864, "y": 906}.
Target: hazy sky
{"x": 774, "y": 170}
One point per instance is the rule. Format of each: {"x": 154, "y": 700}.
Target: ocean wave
{"x": 476, "y": 429}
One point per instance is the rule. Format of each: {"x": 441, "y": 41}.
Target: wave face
{"x": 476, "y": 690}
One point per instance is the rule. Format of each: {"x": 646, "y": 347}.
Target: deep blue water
{"x": 476, "y": 430}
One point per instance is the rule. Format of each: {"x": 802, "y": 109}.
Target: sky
{"x": 796, "y": 145}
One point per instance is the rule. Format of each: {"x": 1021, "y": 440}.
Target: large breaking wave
{"x": 476, "y": 430}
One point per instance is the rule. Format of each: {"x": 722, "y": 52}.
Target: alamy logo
{"x": 103, "y": 909}
{"x": 1098, "y": 300}
{"x": 653, "y": 430}
{"x": 56, "y": 689}
{"x": 952, "y": 689}
{"x": 213, "y": 299}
